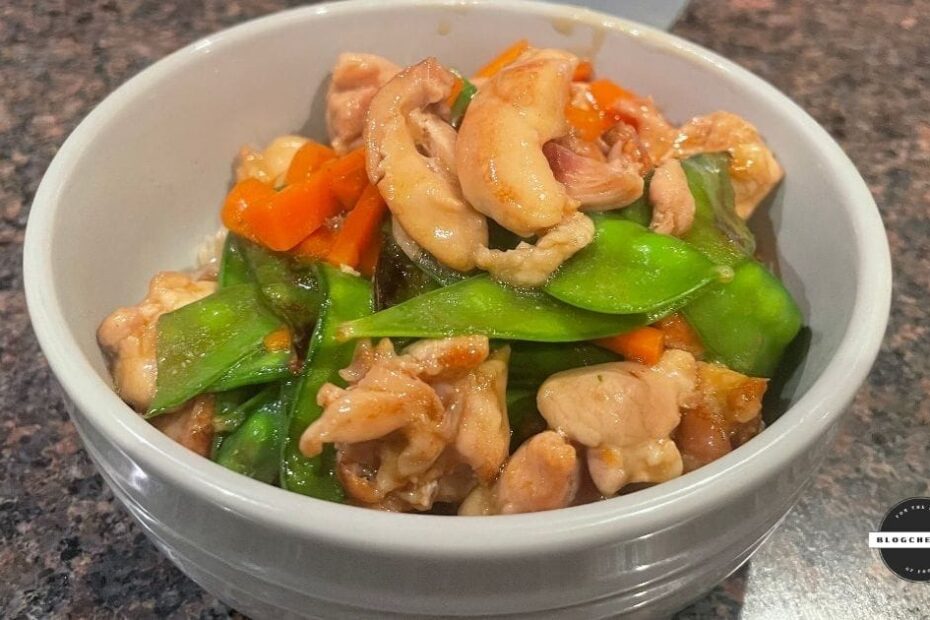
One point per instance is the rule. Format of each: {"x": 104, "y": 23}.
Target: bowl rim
{"x": 623, "y": 517}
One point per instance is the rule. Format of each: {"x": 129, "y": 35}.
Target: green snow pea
{"x": 629, "y": 269}
{"x": 259, "y": 366}
{"x": 347, "y": 297}
{"x": 481, "y": 306}
{"x": 717, "y": 231}
{"x": 460, "y": 105}
{"x": 287, "y": 283}
{"x": 198, "y": 343}
{"x": 254, "y": 448}
{"x": 747, "y": 323}
{"x": 234, "y": 268}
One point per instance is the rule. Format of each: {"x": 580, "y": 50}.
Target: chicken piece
{"x": 727, "y": 413}
{"x": 624, "y": 413}
{"x": 356, "y": 79}
{"x": 597, "y": 184}
{"x": 190, "y": 426}
{"x": 420, "y": 190}
{"x": 655, "y": 133}
{"x": 415, "y": 428}
{"x": 622, "y": 141}
{"x": 753, "y": 167}
{"x": 531, "y": 265}
{"x": 128, "y": 335}
{"x": 672, "y": 203}
{"x": 499, "y": 153}
{"x": 543, "y": 474}
{"x": 483, "y": 438}
{"x": 269, "y": 166}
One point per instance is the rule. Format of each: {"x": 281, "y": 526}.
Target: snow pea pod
{"x": 717, "y": 231}
{"x": 747, "y": 323}
{"x": 259, "y": 366}
{"x": 460, "y": 105}
{"x": 197, "y": 343}
{"x": 254, "y": 448}
{"x": 629, "y": 269}
{"x": 234, "y": 268}
{"x": 347, "y": 297}
{"x": 481, "y": 306}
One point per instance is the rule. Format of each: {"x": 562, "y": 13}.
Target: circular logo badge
{"x": 903, "y": 540}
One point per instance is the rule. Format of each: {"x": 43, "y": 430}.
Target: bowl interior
{"x": 145, "y": 183}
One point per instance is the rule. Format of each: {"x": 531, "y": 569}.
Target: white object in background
{"x": 656, "y": 13}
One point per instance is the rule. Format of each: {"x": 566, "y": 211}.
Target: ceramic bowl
{"x": 139, "y": 183}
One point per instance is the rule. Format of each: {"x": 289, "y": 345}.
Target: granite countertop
{"x": 861, "y": 68}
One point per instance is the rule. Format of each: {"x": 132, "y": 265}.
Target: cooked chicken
{"x": 531, "y": 265}
{"x": 419, "y": 427}
{"x": 356, "y": 79}
{"x": 672, "y": 203}
{"x": 499, "y": 153}
{"x": 622, "y": 141}
{"x": 624, "y": 413}
{"x": 483, "y": 439}
{"x": 726, "y": 415}
{"x": 753, "y": 167}
{"x": 269, "y": 166}
{"x": 422, "y": 195}
{"x": 128, "y": 335}
{"x": 543, "y": 474}
{"x": 656, "y": 134}
{"x": 190, "y": 426}
{"x": 597, "y": 184}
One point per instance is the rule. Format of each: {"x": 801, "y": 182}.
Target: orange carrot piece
{"x": 680, "y": 335}
{"x": 294, "y": 213}
{"x": 359, "y": 229}
{"x": 347, "y": 177}
{"x": 243, "y": 199}
{"x": 587, "y": 121}
{"x": 318, "y": 244}
{"x": 583, "y": 72}
{"x": 644, "y": 345}
{"x": 456, "y": 91}
{"x": 607, "y": 93}
{"x": 308, "y": 159}
{"x": 505, "y": 58}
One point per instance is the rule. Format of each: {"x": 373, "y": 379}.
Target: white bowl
{"x": 140, "y": 182}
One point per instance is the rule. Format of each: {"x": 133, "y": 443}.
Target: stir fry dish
{"x": 511, "y": 292}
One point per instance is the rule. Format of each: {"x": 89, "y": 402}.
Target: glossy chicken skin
{"x": 499, "y": 154}
{"x": 672, "y": 203}
{"x": 624, "y": 413}
{"x": 423, "y": 426}
{"x": 355, "y": 80}
{"x": 420, "y": 190}
{"x": 543, "y": 474}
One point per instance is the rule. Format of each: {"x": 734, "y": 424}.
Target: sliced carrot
{"x": 505, "y": 58}
{"x": 308, "y": 159}
{"x": 644, "y": 345}
{"x": 607, "y": 93}
{"x": 583, "y": 72}
{"x": 370, "y": 255}
{"x": 587, "y": 121}
{"x": 318, "y": 244}
{"x": 456, "y": 91}
{"x": 294, "y": 213}
{"x": 347, "y": 177}
{"x": 243, "y": 199}
{"x": 359, "y": 230}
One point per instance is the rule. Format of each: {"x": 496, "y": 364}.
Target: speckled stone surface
{"x": 862, "y": 68}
